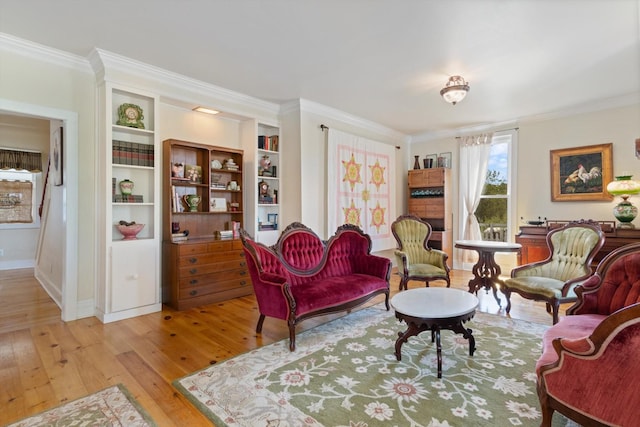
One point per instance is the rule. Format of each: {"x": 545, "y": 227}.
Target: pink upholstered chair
{"x": 590, "y": 366}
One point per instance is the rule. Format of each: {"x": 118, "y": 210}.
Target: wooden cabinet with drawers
{"x": 204, "y": 271}
{"x": 430, "y": 199}
{"x": 207, "y": 264}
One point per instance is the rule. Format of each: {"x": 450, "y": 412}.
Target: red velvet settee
{"x": 588, "y": 370}
{"x": 302, "y": 276}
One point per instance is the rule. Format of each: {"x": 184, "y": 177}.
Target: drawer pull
{"x": 193, "y": 271}
{"x": 242, "y": 273}
{"x": 193, "y": 281}
{"x": 243, "y": 264}
{"x": 193, "y": 293}
{"x": 243, "y": 283}
{"x": 193, "y": 260}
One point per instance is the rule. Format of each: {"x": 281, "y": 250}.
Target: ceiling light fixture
{"x": 206, "y": 110}
{"x": 455, "y": 90}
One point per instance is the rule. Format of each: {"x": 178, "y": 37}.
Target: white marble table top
{"x": 488, "y": 245}
{"x": 434, "y": 303}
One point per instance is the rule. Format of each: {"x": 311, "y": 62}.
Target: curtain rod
{"x": 20, "y": 149}
{"x": 324, "y": 127}
{"x": 495, "y": 131}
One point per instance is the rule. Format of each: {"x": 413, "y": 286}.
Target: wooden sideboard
{"x": 534, "y": 245}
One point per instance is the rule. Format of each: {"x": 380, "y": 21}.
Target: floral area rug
{"x": 113, "y": 406}
{"x": 345, "y": 373}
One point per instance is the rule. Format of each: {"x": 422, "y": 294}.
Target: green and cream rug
{"x": 113, "y": 406}
{"x": 344, "y": 373}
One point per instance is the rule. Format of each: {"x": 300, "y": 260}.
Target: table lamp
{"x": 625, "y": 187}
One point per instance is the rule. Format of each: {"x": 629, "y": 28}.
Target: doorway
{"x": 64, "y": 292}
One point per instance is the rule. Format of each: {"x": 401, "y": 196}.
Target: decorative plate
{"x": 215, "y": 164}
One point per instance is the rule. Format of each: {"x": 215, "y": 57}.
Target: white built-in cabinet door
{"x": 133, "y": 281}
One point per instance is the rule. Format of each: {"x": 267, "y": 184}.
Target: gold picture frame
{"x": 581, "y": 173}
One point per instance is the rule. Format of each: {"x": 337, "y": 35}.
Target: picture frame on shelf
{"x": 444, "y": 160}
{"x": 581, "y": 173}
{"x": 272, "y": 218}
{"x": 177, "y": 170}
{"x": 193, "y": 173}
{"x": 218, "y": 204}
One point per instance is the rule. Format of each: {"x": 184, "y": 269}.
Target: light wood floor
{"x": 45, "y": 362}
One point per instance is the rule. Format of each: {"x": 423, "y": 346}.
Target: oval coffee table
{"x": 434, "y": 309}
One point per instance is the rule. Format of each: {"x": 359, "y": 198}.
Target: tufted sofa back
{"x": 301, "y": 256}
{"x": 615, "y": 285}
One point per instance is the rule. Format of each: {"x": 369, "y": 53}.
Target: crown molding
{"x": 349, "y": 119}
{"x": 29, "y": 49}
{"x": 587, "y": 107}
{"x": 574, "y": 110}
{"x": 117, "y": 68}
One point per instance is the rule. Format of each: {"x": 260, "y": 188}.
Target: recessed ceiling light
{"x": 206, "y": 110}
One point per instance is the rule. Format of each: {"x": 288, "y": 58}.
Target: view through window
{"x": 493, "y": 210}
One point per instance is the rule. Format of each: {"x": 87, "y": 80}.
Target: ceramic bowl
{"x": 129, "y": 231}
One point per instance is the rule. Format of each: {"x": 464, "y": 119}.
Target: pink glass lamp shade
{"x": 625, "y": 211}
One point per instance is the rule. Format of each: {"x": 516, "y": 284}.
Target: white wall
{"x": 313, "y": 161}
{"x": 65, "y": 87}
{"x": 188, "y": 125}
{"x": 620, "y": 126}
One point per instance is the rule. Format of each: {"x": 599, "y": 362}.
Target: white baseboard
{"x": 17, "y": 264}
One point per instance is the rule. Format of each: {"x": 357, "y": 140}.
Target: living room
{"x": 46, "y": 83}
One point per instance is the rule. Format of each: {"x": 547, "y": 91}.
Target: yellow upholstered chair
{"x": 553, "y": 280}
{"x": 414, "y": 258}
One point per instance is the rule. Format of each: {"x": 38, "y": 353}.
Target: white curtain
{"x": 361, "y": 186}
{"x": 474, "y": 161}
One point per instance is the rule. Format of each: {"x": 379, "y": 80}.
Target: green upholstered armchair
{"x": 414, "y": 258}
{"x": 572, "y": 248}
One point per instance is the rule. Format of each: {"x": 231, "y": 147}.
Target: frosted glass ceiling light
{"x": 455, "y": 90}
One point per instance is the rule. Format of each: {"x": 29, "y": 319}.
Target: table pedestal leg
{"x": 414, "y": 330}
{"x": 486, "y": 274}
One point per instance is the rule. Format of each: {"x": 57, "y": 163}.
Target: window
{"x": 494, "y": 211}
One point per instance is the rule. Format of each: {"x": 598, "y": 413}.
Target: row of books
{"x": 132, "y": 153}
{"x": 176, "y": 201}
{"x": 128, "y": 198}
{"x": 263, "y": 226}
{"x": 268, "y": 142}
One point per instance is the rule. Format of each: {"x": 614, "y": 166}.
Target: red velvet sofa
{"x": 588, "y": 370}
{"x": 301, "y": 276}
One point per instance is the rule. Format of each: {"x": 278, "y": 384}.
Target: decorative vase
{"x": 416, "y": 163}
{"x": 265, "y": 162}
{"x": 126, "y": 187}
{"x": 192, "y": 201}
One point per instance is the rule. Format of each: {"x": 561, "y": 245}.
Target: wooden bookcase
{"x": 430, "y": 199}
{"x": 205, "y": 266}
